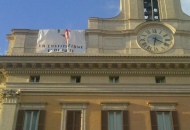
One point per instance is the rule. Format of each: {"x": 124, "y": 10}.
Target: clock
{"x": 155, "y": 39}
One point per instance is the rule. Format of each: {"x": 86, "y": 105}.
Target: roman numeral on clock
{"x": 165, "y": 35}
{"x": 154, "y": 30}
{"x": 167, "y": 40}
{"x": 147, "y": 31}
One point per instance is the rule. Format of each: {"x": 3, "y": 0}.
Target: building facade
{"x": 134, "y": 75}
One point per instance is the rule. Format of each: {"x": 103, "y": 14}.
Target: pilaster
{"x": 9, "y": 107}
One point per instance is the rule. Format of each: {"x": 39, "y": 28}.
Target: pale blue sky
{"x": 54, "y": 14}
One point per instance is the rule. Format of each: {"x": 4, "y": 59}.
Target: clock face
{"x": 155, "y": 39}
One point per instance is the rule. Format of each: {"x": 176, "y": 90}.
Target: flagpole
{"x": 67, "y": 46}
{"x": 67, "y": 33}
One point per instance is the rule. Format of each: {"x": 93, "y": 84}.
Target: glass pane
{"x": 34, "y": 123}
{"x": 168, "y": 121}
{"x": 111, "y": 121}
{"x": 160, "y": 121}
{"x": 31, "y": 120}
{"x": 118, "y": 121}
{"x": 27, "y": 120}
{"x": 115, "y": 120}
{"x": 164, "y": 121}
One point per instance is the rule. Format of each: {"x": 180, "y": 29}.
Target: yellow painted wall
{"x": 139, "y": 110}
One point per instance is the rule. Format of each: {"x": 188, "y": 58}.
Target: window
{"x": 151, "y": 10}
{"x": 74, "y": 116}
{"x": 160, "y": 79}
{"x": 73, "y": 120}
{"x": 114, "y": 79}
{"x": 115, "y": 116}
{"x": 35, "y": 79}
{"x": 30, "y": 120}
{"x": 75, "y": 79}
{"x": 31, "y": 117}
{"x": 115, "y": 120}
{"x": 164, "y": 120}
{"x": 164, "y": 116}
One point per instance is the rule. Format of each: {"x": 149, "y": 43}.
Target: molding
{"x": 162, "y": 106}
{"x": 115, "y": 106}
{"x": 127, "y": 71}
{"x": 70, "y": 88}
{"x": 32, "y": 105}
{"x": 12, "y": 100}
{"x": 74, "y": 105}
{"x": 162, "y": 103}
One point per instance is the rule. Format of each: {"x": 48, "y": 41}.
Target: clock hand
{"x": 161, "y": 41}
{"x": 155, "y": 40}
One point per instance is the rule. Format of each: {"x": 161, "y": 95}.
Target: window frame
{"x": 115, "y": 107}
{"x": 34, "y": 79}
{"x": 160, "y": 79}
{"x": 113, "y": 79}
{"x": 156, "y": 107}
{"x": 31, "y": 120}
{"x": 30, "y": 106}
{"x": 164, "y": 118}
{"x": 74, "y": 79}
{"x": 70, "y": 106}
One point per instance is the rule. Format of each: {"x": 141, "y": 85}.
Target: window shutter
{"x": 41, "y": 120}
{"x": 69, "y": 120}
{"x": 104, "y": 120}
{"x": 77, "y": 120}
{"x": 20, "y": 120}
{"x": 153, "y": 120}
{"x": 125, "y": 120}
{"x": 73, "y": 121}
{"x": 175, "y": 120}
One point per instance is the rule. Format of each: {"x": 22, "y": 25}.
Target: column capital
{"x": 10, "y": 95}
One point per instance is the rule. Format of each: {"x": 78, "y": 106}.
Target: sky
{"x": 55, "y": 14}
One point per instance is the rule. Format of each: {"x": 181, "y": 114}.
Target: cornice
{"x": 82, "y": 88}
{"x": 101, "y": 72}
{"x": 96, "y": 64}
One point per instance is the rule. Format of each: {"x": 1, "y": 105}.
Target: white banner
{"x": 66, "y": 41}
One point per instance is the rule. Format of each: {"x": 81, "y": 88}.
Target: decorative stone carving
{"x": 119, "y": 66}
{"x": 72, "y": 66}
{"x": 186, "y": 66}
{"x": 43, "y": 66}
{"x": 33, "y": 65}
{"x": 62, "y": 65}
{"x": 148, "y": 66}
{"x": 3, "y": 76}
{"x": 90, "y": 66}
{"x": 138, "y": 66}
{"x": 81, "y": 65}
{"x": 176, "y": 66}
{"x": 109, "y": 66}
{"x": 53, "y": 66}
{"x": 100, "y": 65}
{"x": 158, "y": 66}
{"x": 167, "y": 66}
{"x": 14, "y": 65}
{"x": 23, "y": 65}
{"x": 10, "y": 93}
{"x": 129, "y": 66}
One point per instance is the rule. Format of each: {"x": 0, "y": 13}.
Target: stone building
{"x": 134, "y": 75}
